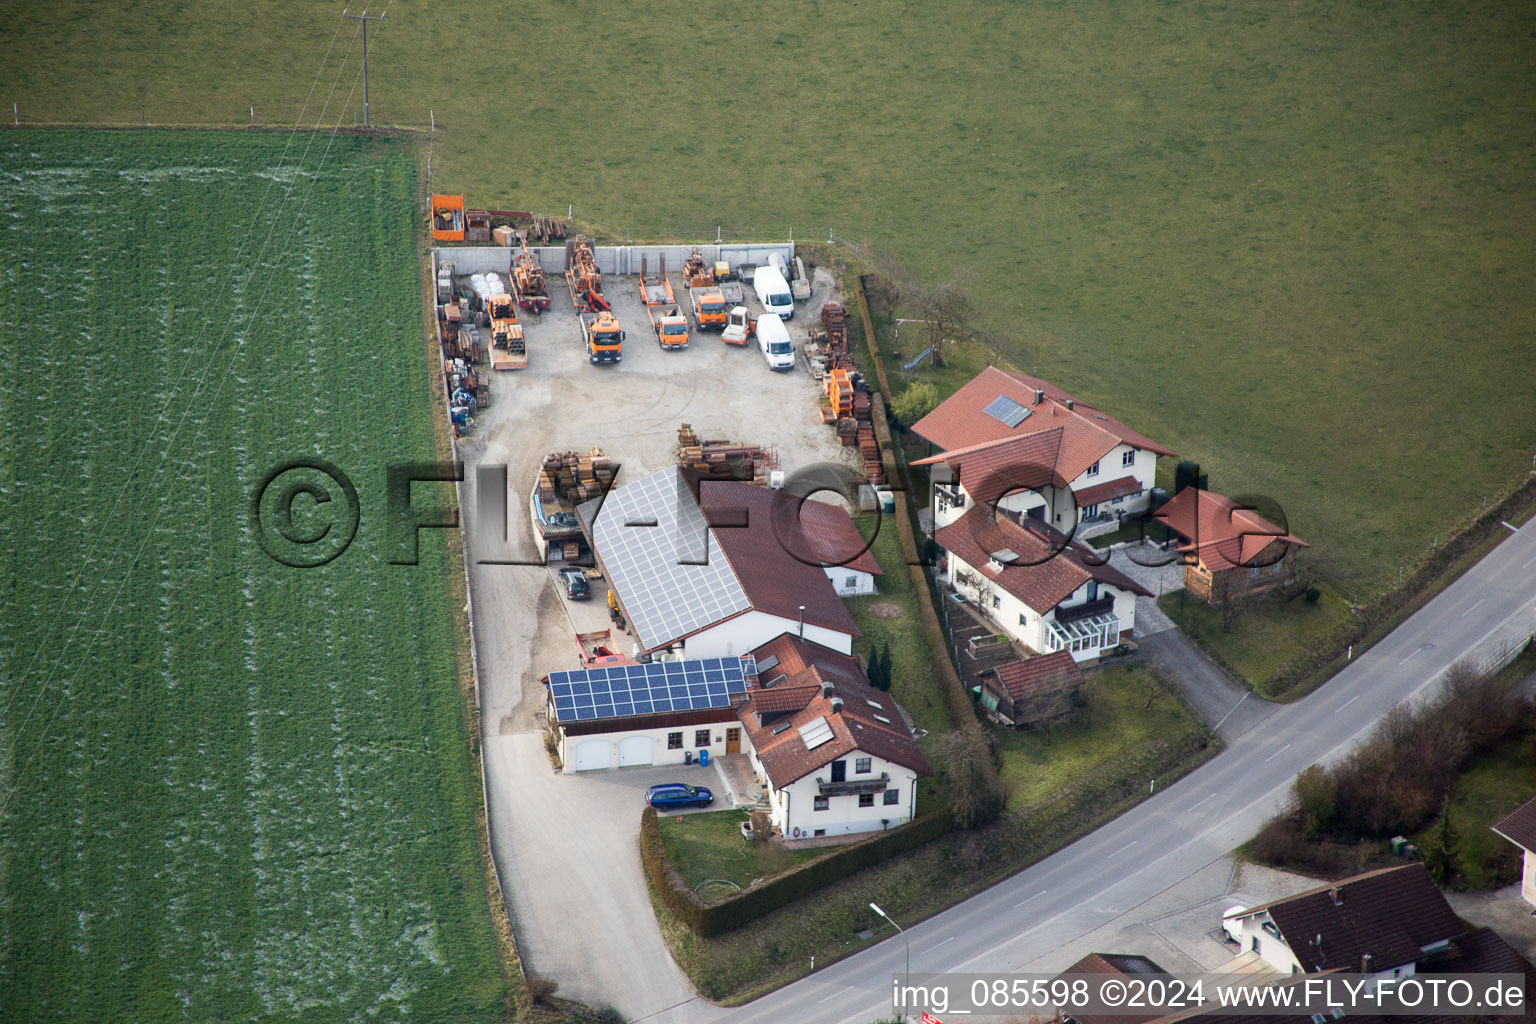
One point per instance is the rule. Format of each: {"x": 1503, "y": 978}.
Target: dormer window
{"x": 1093, "y": 470}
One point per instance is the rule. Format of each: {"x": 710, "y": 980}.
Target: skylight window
{"x": 1007, "y": 411}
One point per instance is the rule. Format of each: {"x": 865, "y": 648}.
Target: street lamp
{"x": 907, "y": 975}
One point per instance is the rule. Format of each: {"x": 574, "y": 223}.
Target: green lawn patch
{"x": 892, "y": 617}
{"x": 1264, "y": 635}
{"x": 1491, "y": 787}
{"x": 232, "y": 790}
{"x": 1115, "y": 723}
{"x": 1151, "y": 530}
{"x": 710, "y": 846}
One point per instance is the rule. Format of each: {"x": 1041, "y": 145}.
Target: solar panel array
{"x": 1007, "y": 410}
{"x": 814, "y": 734}
{"x": 660, "y": 555}
{"x": 622, "y": 691}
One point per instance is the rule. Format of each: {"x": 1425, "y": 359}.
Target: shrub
{"x": 915, "y": 401}
{"x": 540, "y": 988}
{"x": 973, "y": 789}
{"x": 1316, "y": 796}
{"x": 1312, "y": 595}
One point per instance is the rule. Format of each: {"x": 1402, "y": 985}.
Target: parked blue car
{"x": 675, "y": 794}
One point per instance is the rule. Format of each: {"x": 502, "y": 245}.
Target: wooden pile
{"x": 849, "y": 410}
{"x": 548, "y": 229}
{"x": 735, "y": 460}
{"x": 572, "y": 478}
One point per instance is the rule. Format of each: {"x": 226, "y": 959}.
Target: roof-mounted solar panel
{"x": 621, "y": 691}
{"x": 1006, "y": 410}
{"x": 814, "y": 734}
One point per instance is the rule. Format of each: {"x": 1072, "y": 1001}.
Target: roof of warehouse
{"x": 685, "y": 553}
{"x": 972, "y": 416}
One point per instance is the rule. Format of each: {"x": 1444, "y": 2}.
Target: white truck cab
{"x": 773, "y": 339}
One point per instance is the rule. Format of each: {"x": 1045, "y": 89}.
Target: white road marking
{"x": 1410, "y": 657}
{"x": 930, "y": 949}
{"x": 1346, "y": 704}
{"x": 1527, "y": 565}
{"x": 1034, "y": 897}
{"x": 1228, "y": 715}
{"x": 1469, "y": 611}
{"x": 1209, "y": 797}
{"x": 1122, "y": 849}
{"x": 834, "y": 995}
{"x": 1277, "y": 753}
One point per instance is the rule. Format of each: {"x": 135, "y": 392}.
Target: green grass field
{"x": 1298, "y": 244}
{"x": 232, "y": 790}
{"x": 1263, "y": 636}
{"x": 710, "y": 846}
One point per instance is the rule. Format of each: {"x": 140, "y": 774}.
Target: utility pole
{"x": 365, "y": 18}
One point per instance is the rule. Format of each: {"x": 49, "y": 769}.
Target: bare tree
{"x": 1157, "y": 683}
{"x": 973, "y": 790}
{"x": 947, "y": 310}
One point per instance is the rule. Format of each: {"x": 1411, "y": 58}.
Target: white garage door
{"x": 636, "y": 750}
{"x": 592, "y": 754}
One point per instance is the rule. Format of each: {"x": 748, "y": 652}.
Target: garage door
{"x": 636, "y": 750}
{"x": 591, "y": 754}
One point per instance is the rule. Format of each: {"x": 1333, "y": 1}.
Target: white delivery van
{"x": 773, "y": 292}
{"x": 773, "y": 339}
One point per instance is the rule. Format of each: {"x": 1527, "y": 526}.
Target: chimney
{"x": 1071, "y": 403}
{"x": 1039, "y": 395}
{"x": 826, "y": 689}
{"x": 1338, "y": 901}
{"x": 1365, "y": 963}
{"x": 837, "y": 705}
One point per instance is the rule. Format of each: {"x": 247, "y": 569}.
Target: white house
{"x": 835, "y": 754}
{"x": 1027, "y": 447}
{"x": 1382, "y": 922}
{"x": 711, "y": 568}
{"x": 1519, "y": 827}
{"x": 1047, "y": 593}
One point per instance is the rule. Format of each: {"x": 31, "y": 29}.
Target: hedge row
{"x": 1331, "y": 646}
{"x": 708, "y": 918}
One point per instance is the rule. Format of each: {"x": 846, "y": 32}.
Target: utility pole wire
{"x": 365, "y": 18}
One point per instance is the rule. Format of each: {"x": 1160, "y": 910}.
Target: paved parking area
{"x": 566, "y": 845}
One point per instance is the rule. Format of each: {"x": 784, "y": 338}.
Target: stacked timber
{"x": 724, "y": 459}
{"x": 573, "y": 477}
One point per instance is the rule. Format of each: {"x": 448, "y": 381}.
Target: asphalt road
{"x": 1182, "y": 829}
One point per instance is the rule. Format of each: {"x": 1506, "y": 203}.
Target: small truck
{"x": 670, "y": 325}
{"x": 604, "y": 339}
{"x": 708, "y": 307}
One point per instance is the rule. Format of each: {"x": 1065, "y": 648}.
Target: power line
{"x": 365, "y": 18}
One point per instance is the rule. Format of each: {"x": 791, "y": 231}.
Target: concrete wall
{"x": 611, "y": 259}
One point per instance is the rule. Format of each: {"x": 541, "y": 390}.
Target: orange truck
{"x": 604, "y": 338}
{"x": 667, "y": 320}
{"x": 509, "y": 350}
{"x": 709, "y": 309}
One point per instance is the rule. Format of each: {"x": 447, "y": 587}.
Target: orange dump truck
{"x": 509, "y": 350}
{"x": 709, "y": 309}
{"x": 670, "y": 325}
{"x": 604, "y": 338}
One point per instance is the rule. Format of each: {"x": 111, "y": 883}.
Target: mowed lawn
{"x": 1297, "y": 244}
{"x": 231, "y": 790}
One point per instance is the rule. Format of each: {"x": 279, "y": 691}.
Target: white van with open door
{"x": 773, "y": 339}
{"x": 773, "y": 292}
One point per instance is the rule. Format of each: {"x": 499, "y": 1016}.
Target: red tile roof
{"x": 784, "y": 756}
{"x": 834, "y": 539}
{"x": 1519, "y": 826}
{"x": 1124, "y": 487}
{"x": 1113, "y": 963}
{"x": 1222, "y": 534}
{"x": 1037, "y": 677}
{"x": 1390, "y": 914}
{"x": 1048, "y": 570}
{"x": 961, "y": 420}
{"x": 760, "y": 553}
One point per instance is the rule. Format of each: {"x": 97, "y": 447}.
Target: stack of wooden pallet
{"x": 574, "y": 477}
{"x": 723, "y": 458}
{"x": 848, "y": 430}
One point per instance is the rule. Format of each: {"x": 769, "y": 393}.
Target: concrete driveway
{"x": 566, "y": 846}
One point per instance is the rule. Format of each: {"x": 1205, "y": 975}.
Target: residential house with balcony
{"x": 835, "y": 754}
{"x": 1045, "y": 591}
{"x": 1031, "y": 449}
{"x": 1230, "y": 552}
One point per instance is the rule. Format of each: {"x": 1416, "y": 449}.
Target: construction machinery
{"x": 697, "y": 273}
{"x": 739, "y": 326}
{"x": 582, "y": 277}
{"x": 723, "y": 271}
{"x": 655, "y": 289}
{"x": 528, "y": 282}
{"x": 604, "y": 338}
{"x": 670, "y": 325}
{"x": 509, "y": 350}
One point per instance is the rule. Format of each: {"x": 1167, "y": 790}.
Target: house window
{"x": 1253, "y": 572}
{"x": 861, "y": 765}
{"x": 1093, "y": 590}
{"x": 1256, "y": 944}
{"x": 850, "y": 582}
{"x": 892, "y": 797}
{"x": 674, "y": 741}
{"x": 701, "y": 738}
{"x": 997, "y": 602}
{"x": 866, "y": 799}
{"x": 1090, "y": 511}
{"x": 1023, "y": 619}
{"x": 819, "y": 833}
{"x": 1318, "y": 1018}
{"x": 822, "y": 803}
{"x": 1093, "y": 470}
{"x": 1128, "y": 458}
